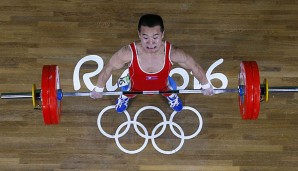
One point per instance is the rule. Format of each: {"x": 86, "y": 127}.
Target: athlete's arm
{"x": 186, "y": 61}
{"x": 117, "y": 61}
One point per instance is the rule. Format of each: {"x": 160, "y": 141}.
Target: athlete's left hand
{"x": 208, "y": 91}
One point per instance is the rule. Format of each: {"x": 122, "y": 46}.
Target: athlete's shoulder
{"x": 125, "y": 49}
{"x": 176, "y": 50}
{"x": 178, "y": 55}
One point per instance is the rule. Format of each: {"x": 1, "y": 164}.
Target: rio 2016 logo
{"x": 112, "y": 87}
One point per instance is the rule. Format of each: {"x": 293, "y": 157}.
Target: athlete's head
{"x": 151, "y": 32}
{"x": 151, "y": 20}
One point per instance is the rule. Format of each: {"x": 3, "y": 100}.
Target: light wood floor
{"x": 34, "y": 33}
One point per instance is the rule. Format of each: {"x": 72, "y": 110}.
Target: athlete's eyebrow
{"x": 144, "y": 34}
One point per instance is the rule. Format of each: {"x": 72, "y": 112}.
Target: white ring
{"x": 199, "y": 127}
{"x": 105, "y": 133}
{"x": 146, "y": 108}
{"x": 164, "y": 151}
{"x": 129, "y": 151}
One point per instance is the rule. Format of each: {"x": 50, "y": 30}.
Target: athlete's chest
{"x": 151, "y": 63}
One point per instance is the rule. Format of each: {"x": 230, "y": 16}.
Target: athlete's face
{"x": 151, "y": 38}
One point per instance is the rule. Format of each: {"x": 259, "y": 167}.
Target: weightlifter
{"x": 149, "y": 62}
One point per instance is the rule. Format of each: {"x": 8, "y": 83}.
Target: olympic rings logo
{"x": 146, "y": 135}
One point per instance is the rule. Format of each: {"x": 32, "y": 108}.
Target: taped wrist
{"x": 98, "y": 89}
{"x": 206, "y": 86}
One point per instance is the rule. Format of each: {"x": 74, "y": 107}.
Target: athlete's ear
{"x": 162, "y": 34}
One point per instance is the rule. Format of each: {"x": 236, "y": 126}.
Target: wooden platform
{"x": 36, "y": 33}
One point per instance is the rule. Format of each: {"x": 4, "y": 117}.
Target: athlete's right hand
{"x": 96, "y": 95}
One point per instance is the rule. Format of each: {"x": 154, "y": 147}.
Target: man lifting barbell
{"x": 150, "y": 61}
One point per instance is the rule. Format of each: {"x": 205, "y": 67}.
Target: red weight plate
{"x": 246, "y": 100}
{"x": 54, "y": 85}
{"x": 256, "y": 90}
{"x": 45, "y": 94}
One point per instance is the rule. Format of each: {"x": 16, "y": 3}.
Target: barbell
{"x": 250, "y": 92}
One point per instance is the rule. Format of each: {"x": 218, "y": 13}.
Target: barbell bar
{"x": 24, "y": 95}
{"x": 250, "y": 92}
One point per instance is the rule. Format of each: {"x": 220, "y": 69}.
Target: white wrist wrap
{"x": 206, "y": 86}
{"x": 98, "y": 89}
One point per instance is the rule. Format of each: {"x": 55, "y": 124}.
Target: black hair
{"x": 151, "y": 20}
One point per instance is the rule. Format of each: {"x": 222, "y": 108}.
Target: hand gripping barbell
{"x": 250, "y": 92}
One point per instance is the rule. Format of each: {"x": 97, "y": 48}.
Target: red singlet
{"x": 144, "y": 81}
